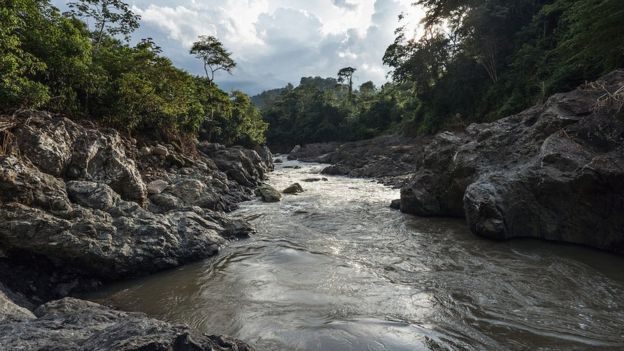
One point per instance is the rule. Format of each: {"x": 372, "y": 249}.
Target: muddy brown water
{"x": 335, "y": 268}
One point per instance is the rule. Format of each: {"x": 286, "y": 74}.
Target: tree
{"x": 367, "y": 88}
{"x": 214, "y": 56}
{"x": 18, "y": 66}
{"x": 112, "y": 17}
{"x": 346, "y": 74}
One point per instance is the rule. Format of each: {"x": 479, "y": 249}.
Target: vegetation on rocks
{"x": 475, "y": 61}
{"x": 54, "y": 61}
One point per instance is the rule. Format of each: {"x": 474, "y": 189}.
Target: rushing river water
{"x": 335, "y": 268}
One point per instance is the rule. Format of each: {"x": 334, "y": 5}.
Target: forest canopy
{"x": 473, "y": 61}
{"x": 54, "y": 61}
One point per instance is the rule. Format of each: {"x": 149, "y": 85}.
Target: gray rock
{"x": 160, "y": 151}
{"x": 312, "y": 180}
{"x": 554, "y": 171}
{"x": 156, "y": 187}
{"x": 312, "y": 152}
{"x": 101, "y": 157}
{"x": 10, "y": 312}
{"x": 74, "y": 215}
{"x": 268, "y": 193}
{"x": 295, "y": 149}
{"x": 92, "y": 195}
{"x": 71, "y": 324}
{"x": 295, "y": 188}
{"x": 395, "y": 204}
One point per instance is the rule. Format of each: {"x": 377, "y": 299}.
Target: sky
{"x": 275, "y": 42}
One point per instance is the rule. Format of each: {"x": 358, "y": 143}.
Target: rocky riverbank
{"x": 81, "y": 206}
{"x": 391, "y": 159}
{"x": 553, "y": 172}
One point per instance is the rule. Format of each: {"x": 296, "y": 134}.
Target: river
{"x": 335, "y": 268}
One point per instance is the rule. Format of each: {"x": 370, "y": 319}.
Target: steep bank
{"x": 554, "y": 171}
{"x": 81, "y": 206}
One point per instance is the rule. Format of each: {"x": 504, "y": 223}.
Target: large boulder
{"x": 72, "y": 325}
{"x": 100, "y": 156}
{"x": 295, "y": 188}
{"x": 268, "y": 193}
{"x": 554, "y": 171}
{"x": 62, "y": 148}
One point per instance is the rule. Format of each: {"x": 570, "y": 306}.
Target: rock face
{"x": 312, "y": 151}
{"x": 72, "y": 324}
{"x": 75, "y": 212}
{"x": 555, "y": 172}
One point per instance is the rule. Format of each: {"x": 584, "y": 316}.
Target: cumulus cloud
{"x": 345, "y": 4}
{"x": 277, "y": 41}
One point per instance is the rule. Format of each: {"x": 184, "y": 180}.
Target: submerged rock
{"x": 268, "y": 193}
{"x": 295, "y": 188}
{"x": 554, "y": 171}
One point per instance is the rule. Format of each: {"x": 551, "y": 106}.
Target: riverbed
{"x": 334, "y": 268}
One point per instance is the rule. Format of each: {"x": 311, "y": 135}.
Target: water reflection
{"x": 335, "y": 269}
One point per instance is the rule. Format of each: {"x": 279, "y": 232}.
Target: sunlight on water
{"x": 335, "y": 268}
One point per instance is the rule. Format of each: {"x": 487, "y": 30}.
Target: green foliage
{"x": 17, "y": 66}
{"x": 53, "y": 61}
{"x": 316, "y": 111}
{"x": 483, "y": 60}
{"x": 112, "y": 17}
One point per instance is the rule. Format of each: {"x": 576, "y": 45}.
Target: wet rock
{"x": 72, "y": 324}
{"x": 395, "y": 204}
{"x": 312, "y": 180}
{"x": 295, "y": 188}
{"x": 278, "y": 160}
{"x": 554, "y": 171}
{"x": 268, "y": 193}
{"x": 238, "y": 229}
{"x": 337, "y": 169}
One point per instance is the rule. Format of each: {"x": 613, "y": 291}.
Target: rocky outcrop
{"x": 72, "y": 324}
{"x": 389, "y": 159}
{"x": 555, "y": 172}
{"x": 310, "y": 152}
{"x": 75, "y": 212}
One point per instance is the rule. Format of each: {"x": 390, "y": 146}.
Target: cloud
{"x": 276, "y": 41}
{"x": 345, "y": 4}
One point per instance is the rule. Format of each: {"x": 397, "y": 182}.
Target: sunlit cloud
{"x": 278, "y": 41}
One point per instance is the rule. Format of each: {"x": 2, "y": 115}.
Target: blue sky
{"x": 276, "y": 42}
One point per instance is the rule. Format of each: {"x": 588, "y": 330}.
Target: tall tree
{"x": 112, "y": 17}
{"x": 214, "y": 56}
{"x": 346, "y": 75}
